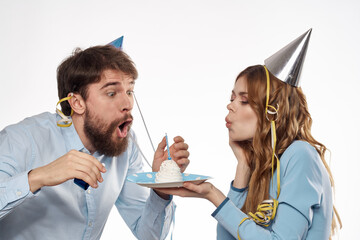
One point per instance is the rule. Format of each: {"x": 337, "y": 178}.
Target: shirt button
{"x": 18, "y": 193}
{"x": 90, "y": 224}
{"x": 88, "y": 191}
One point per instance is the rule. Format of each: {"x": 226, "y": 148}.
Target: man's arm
{"x": 73, "y": 164}
{"x": 19, "y": 178}
{"x": 14, "y": 185}
{"x": 147, "y": 214}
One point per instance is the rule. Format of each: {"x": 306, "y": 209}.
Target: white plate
{"x": 147, "y": 179}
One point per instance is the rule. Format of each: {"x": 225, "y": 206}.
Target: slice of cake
{"x": 169, "y": 172}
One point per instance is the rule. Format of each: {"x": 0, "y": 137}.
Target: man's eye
{"x": 130, "y": 92}
{"x": 111, "y": 94}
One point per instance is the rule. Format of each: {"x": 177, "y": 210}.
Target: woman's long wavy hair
{"x": 292, "y": 123}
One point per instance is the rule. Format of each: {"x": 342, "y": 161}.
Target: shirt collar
{"x": 71, "y": 138}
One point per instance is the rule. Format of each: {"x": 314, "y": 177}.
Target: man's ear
{"x": 77, "y": 103}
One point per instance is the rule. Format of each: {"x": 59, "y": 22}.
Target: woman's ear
{"x": 77, "y": 103}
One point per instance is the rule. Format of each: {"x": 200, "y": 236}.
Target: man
{"x": 40, "y": 157}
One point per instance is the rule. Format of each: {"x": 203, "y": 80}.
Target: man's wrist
{"x": 162, "y": 195}
{"x": 34, "y": 180}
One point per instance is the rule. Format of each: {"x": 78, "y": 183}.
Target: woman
{"x": 270, "y": 129}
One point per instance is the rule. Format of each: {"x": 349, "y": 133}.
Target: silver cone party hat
{"x": 286, "y": 64}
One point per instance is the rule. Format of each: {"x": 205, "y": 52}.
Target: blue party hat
{"x": 117, "y": 42}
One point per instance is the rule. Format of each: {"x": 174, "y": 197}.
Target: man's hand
{"x": 72, "y": 165}
{"x": 178, "y": 152}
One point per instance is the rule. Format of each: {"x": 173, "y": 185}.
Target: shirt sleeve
{"x": 300, "y": 174}
{"x": 147, "y": 215}
{"x": 237, "y": 196}
{"x": 14, "y": 183}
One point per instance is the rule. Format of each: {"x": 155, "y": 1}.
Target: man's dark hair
{"x": 84, "y": 67}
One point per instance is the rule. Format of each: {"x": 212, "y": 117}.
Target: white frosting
{"x": 169, "y": 172}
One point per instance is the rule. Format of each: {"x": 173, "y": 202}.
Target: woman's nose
{"x": 229, "y": 107}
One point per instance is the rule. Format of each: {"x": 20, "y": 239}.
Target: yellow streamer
{"x": 266, "y": 211}
{"x": 64, "y": 121}
{"x": 239, "y": 226}
{"x": 267, "y": 90}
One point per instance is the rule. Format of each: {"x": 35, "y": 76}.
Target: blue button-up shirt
{"x": 66, "y": 211}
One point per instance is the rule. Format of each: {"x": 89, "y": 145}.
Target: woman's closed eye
{"x": 232, "y": 97}
{"x": 244, "y": 99}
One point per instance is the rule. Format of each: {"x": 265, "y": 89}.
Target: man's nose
{"x": 126, "y": 103}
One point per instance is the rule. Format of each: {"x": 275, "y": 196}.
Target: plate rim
{"x": 162, "y": 184}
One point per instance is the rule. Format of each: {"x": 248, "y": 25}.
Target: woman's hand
{"x": 204, "y": 190}
{"x": 242, "y": 175}
{"x": 239, "y": 150}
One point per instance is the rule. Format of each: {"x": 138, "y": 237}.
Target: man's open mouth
{"x": 124, "y": 127}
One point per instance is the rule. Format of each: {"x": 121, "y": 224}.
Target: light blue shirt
{"x": 66, "y": 211}
{"x": 305, "y": 201}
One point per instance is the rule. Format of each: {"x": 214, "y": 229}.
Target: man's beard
{"x": 100, "y": 135}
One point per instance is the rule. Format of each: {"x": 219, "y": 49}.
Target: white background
{"x": 188, "y": 54}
